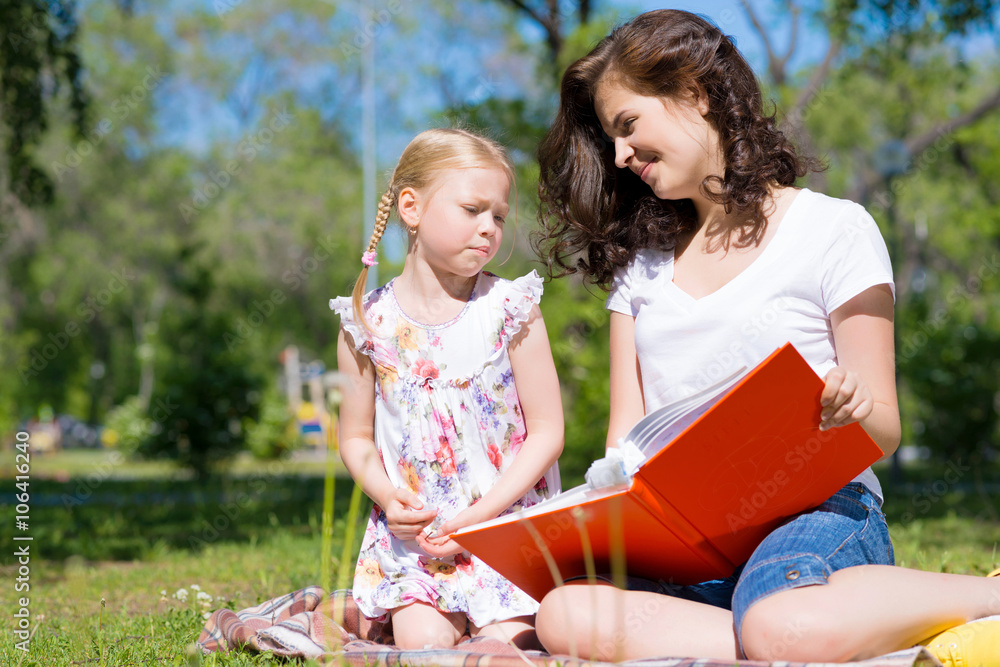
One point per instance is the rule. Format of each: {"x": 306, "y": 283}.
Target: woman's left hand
{"x": 441, "y": 545}
{"x": 846, "y": 398}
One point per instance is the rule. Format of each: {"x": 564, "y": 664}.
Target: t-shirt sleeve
{"x": 620, "y": 295}
{"x": 856, "y": 259}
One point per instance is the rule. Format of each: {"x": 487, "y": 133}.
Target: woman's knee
{"x": 565, "y": 617}
{"x": 779, "y": 628}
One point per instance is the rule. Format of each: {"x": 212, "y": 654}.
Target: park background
{"x": 183, "y": 187}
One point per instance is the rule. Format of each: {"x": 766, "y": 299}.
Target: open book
{"x": 724, "y": 469}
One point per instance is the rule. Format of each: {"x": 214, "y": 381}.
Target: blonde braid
{"x": 381, "y": 220}
{"x": 382, "y": 217}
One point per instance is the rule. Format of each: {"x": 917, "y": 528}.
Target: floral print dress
{"x": 448, "y": 423}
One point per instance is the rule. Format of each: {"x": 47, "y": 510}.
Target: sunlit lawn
{"x": 269, "y": 551}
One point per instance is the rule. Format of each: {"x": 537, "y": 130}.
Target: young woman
{"x": 665, "y": 181}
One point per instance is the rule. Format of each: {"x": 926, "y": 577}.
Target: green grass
{"x": 273, "y": 546}
{"x": 140, "y": 625}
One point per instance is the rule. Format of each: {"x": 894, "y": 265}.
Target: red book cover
{"x": 701, "y": 503}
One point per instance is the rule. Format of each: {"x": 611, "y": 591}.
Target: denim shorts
{"x": 847, "y": 529}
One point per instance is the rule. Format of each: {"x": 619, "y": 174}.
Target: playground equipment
{"x": 314, "y": 417}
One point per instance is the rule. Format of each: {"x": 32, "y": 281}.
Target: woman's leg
{"x": 864, "y": 611}
{"x": 420, "y": 625}
{"x": 519, "y": 631}
{"x": 822, "y": 588}
{"x": 601, "y": 622}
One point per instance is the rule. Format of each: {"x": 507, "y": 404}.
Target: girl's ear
{"x": 408, "y": 206}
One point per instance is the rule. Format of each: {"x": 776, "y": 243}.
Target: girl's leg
{"x": 519, "y": 631}
{"x": 864, "y": 611}
{"x": 419, "y": 625}
{"x": 601, "y": 622}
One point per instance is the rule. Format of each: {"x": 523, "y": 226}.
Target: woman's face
{"x": 669, "y": 144}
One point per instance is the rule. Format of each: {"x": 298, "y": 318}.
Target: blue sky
{"x": 412, "y": 60}
{"x": 424, "y": 61}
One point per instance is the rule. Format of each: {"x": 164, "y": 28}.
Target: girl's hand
{"x": 846, "y": 398}
{"x": 440, "y": 544}
{"x": 439, "y": 547}
{"x": 404, "y": 516}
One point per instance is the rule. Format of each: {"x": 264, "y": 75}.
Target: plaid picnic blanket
{"x": 310, "y": 624}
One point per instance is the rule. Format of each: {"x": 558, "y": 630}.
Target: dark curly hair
{"x": 594, "y": 216}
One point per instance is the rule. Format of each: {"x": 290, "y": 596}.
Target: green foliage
{"x": 578, "y": 331}
{"x": 129, "y": 425}
{"x": 39, "y": 43}
{"x": 207, "y": 387}
{"x": 951, "y": 363}
{"x": 274, "y": 433}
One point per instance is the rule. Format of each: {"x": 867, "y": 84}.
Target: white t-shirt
{"x": 824, "y": 252}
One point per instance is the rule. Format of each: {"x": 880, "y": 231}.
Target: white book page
{"x": 651, "y": 433}
{"x": 572, "y": 497}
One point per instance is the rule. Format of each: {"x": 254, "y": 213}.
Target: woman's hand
{"x": 846, "y": 398}
{"x": 441, "y": 545}
{"x": 404, "y": 516}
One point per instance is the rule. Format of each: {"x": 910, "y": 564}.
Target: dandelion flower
{"x": 181, "y": 594}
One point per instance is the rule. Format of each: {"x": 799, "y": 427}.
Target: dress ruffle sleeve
{"x": 343, "y": 306}
{"x": 522, "y": 295}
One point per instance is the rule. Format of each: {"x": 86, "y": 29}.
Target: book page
{"x": 575, "y": 496}
{"x": 654, "y": 431}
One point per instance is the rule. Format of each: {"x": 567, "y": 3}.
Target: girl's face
{"x": 460, "y": 220}
{"x": 669, "y": 144}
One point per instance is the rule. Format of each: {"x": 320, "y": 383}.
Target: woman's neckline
{"x": 750, "y": 268}
{"x": 430, "y": 326}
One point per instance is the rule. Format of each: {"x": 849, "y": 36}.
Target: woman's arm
{"x": 357, "y": 444}
{"x": 862, "y": 387}
{"x": 627, "y": 402}
{"x": 541, "y": 404}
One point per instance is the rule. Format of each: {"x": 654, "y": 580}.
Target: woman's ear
{"x": 408, "y": 206}
{"x": 698, "y": 96}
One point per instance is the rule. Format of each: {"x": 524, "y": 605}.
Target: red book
{"x": 719, "y": 477}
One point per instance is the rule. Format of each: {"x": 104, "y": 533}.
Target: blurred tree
{"x": 38, "y": 53}
{"x": 206, "y": 389}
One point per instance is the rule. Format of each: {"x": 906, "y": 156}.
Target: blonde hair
{"x": 423, "y": 159}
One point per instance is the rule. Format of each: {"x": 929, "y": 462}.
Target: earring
{"x": 411, "y": 230}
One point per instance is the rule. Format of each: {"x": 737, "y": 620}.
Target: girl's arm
{"x": 357, "y": 444}
{"x": 627, "y": 403}
{"x": 862, "y": 388}
{"x": 541, "y": 403}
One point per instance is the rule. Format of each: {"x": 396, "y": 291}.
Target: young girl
{"x": 664, "y": 181}
{"x": 451, "y": 414}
